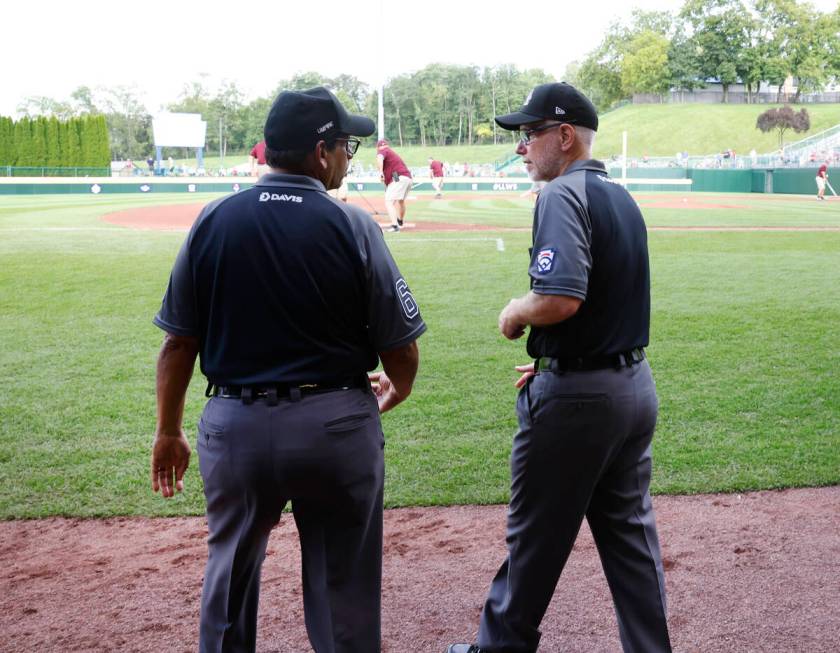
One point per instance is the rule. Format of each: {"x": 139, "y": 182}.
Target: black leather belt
{"x": 275, "y": 391}
{"x": 588, "y": 363}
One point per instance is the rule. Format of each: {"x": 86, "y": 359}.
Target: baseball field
{"x": 744, "y": 349}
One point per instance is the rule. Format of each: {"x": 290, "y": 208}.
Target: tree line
{"x": 440, "y": 104}
{"x": 726, "y": 41}
{"x": 77, "y": 142}
{"x": 722, "y": 40}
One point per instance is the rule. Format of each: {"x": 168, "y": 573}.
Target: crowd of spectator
{"x": 727, "y": 159}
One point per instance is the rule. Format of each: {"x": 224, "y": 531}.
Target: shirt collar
{"x": 293, "y": 181}
{"x": 585, "y": 164}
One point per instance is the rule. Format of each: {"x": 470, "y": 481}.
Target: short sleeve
{"x": 177, "y": 313}
{"x": 393, "y": 315}
{"x": 561, "y": 258}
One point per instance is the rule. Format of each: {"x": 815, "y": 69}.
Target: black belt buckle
{"x": 635, "y": 356}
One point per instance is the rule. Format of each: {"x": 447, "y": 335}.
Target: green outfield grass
{"x": 744, "y": 348}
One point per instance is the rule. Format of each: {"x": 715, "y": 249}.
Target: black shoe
{"x": 393, "y": 227}
{"x": 465, "y": 648}
{"x": 399, "y": 221}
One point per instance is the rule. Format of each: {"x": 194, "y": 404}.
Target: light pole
{"x": 221, "y": 150}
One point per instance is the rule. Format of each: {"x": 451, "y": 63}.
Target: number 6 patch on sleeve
{"x": 409, "y": 306}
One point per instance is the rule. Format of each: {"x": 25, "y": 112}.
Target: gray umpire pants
{"x": 582, "y": 450}
{"x": 324, "y": 453}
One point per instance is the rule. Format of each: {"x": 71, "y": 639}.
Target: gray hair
{"x": 585, "y": 136}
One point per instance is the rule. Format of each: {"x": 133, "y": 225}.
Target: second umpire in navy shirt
{"x": 587, "y": 407}
{"x": 289, "y": 298}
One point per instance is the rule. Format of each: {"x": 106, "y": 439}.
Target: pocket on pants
{"x": 347, "y": 423}
{"x": 212, "y": 440}
{"x": 570, "y": 407}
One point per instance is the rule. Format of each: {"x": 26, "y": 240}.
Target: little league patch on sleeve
{"x": 545, "y": 260}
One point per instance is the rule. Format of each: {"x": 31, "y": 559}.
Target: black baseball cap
{"x": 557, "y": 101}
{"x": 299, "y": 119}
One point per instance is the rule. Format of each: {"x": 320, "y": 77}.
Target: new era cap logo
{"x": 559, "y": 112}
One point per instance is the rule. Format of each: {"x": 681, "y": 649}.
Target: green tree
{"x": 644, "y": 66}
{"x": 721, "y": 34}
{"x": 783, "y": 119}
{"x": 39, "y": 141}
{"x": 23, "y": 143}
{"x": 53, "y": 145}
{"x": 40, "y": 105}
{"x": 103, "y": 151}
{"x": 82, "y": 101}
{"x": 7, "y": 142}
{"x": 74, "y": 144}
{"x": 253, "y": 116}
{"x": 600, "y": 80}
{"x": 603, "y": 74}
{"x": 89, "y": 141}
{"x": 129, "y": 123}
{"x": 683, "y": 62}
{"x": 223, "y": 115}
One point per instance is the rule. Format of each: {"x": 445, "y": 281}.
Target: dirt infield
{"x": 745, "y": 573}
{"x": 180, "y": 217}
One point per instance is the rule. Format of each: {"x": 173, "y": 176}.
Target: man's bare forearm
{"x": 401, "y": 366}
{"x": 174, "y": 371}
{"x": 535, "y": 310}
{"x": 542, "y": 310}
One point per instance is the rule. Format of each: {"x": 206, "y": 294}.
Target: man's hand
{"x": 171, "y": 452}
{"x": 527, "y": 373}
{"x": 170, "y": 459}
{"x": 382, "y": 387}
{"x": 510, "y": 325}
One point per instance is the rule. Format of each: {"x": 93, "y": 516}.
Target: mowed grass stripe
{"x": 743, "y": 347}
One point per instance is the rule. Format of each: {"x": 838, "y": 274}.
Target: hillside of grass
{"x": 665, "y": 129}
{"x": 652, "y": 129}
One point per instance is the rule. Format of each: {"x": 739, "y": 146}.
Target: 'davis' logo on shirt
{"x": 277, "y": 197}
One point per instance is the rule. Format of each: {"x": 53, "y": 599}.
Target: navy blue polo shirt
{"x": 281, "y": 283}
{"x": 590, "y": 242}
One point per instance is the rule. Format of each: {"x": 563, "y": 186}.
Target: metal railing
{"x": 822, "y": 141}
{"x": 715, "y": 96}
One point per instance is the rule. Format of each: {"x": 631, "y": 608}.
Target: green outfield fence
{"x": 795, "y": 181}
{"x": 46, "y": 171}
{"x": 798, "y": 181}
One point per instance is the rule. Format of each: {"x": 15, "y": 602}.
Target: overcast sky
{"x": 50, "y": 48}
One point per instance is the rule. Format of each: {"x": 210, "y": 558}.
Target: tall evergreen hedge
{"x": 80, "y": 142}
{"x": 7, "y": 141}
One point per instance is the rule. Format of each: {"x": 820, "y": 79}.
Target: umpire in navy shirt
{"x": 289, "y": 297}
{"x": 587, "y": 406}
